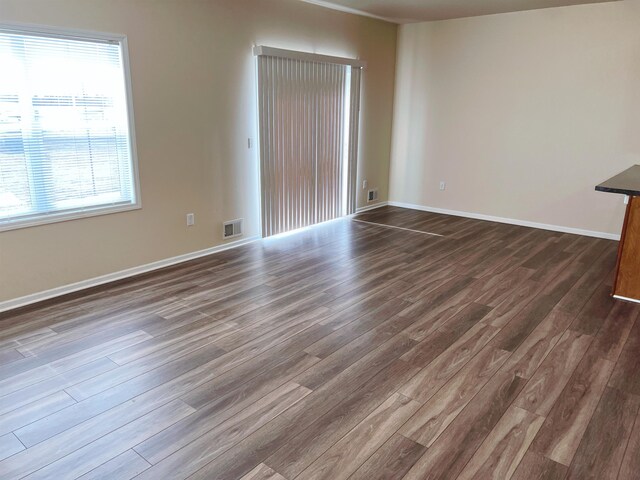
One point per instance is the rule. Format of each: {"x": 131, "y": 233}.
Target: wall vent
{"x": 372, "y": 195}
{"x": 232, "y": 228}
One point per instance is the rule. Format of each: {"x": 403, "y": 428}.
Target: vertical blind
{"x": 308, "y": 115}
{"x": 64, "y": 131}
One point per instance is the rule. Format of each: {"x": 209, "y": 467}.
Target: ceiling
{"x": 408, "y": 11}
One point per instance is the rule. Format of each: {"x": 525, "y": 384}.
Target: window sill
{"x": 66, "y": 216}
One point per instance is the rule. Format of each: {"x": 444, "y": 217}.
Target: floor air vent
{"x": 232, "y": 229}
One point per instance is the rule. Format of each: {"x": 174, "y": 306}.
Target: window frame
{"x": 83, "y": 212}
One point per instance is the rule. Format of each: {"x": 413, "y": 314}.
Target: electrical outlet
{"x": 365, "y": 184}
{"x": 443, "y": 185}
{"x": 191, "y": 219}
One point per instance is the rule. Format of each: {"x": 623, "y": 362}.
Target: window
{"x": 66, "y": 129}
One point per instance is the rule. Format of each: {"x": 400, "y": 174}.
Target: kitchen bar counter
{"x": 627, "y": 278}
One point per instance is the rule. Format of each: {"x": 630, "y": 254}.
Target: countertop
{"x": 626, "y": 183}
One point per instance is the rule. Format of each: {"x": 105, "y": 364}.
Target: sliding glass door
{"x": 308, "y": 115}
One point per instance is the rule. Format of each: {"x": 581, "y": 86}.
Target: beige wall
{"x": 194, "y": 103}
{"x": 521, "y": 114}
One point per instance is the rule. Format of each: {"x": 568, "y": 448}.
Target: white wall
{"x": 194, "y": 101}
{"x": 522, "y": 114}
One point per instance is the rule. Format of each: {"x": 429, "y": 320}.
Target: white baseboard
{"x": 110, "y": 277}
{"x": 626, "y": 299}
{"x": 371, "y": 207}
{"x": 511, "y": 221}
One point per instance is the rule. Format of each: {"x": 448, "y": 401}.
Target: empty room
{"x": 309, "y": 239}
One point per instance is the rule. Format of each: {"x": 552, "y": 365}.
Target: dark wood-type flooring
{"x": 350, "y": 350}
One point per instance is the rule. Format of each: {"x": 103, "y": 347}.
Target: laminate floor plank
{"x": 437, "y": 343}
{"x": 500, "y": 286}
{"x": 615, "y": 331}
{"x": 538, "y": 467}
{"x": 626, "y": 375}
{"x": 246, "y": 333}
{"x": 62, "y": 445}
{"x": 34, "y": 411}
{"x": 514, "y": 302}
{"x": 55, "y": 383}
{"x": 367, "y": 322}
{"x": 354, "y": 349}
{"x": 391, "y": 461}
{"x": 152, "y": 362}
{"x": 365, "y": 355}
{"x": 631, "y": 461}
{"x": 351, "y": 451}
{"x": 68, "y": 339}
{"x": 560, "y": 436}
{"x": 274, "y": 361}
{"x": 448, "y": 454}
{"x": 431, "y": 315}
{"x": 501, "y": 452}
{"x": 113, "y": 320}
{"x": 219, "y": 408}
{"x": 295, "y": 455}
{"x": 584, "y": 288}
{"x": 437, "y": 373}
{"x": 262, "y": 472}
{"x": 602, "y": 448}
{"x": 534, "y": 350}
{"x": 365, "y": 304}
{"x": 595, "y": 312}
{"x": 260, "y": 445}
{"x": 125, "y": 466}
{"x": 118, "y": 397}
{"x": 559, "y": 283}
{"x": 94, "y": 454}
{"x": 524, "y": 322}
{"x": 9, "y": 445}
{"x": 546, "y": 255}
{"x": 423, "y": 281}
{"x": 222, "y": 437}
{"x": 175, "y": 339}
{"x": 443, "y": 407}
{"x": 66, "y": 364}
{"x": 547, "y": 383}
{"x": 8, "y": 355}
{"x": 30, "y": 333}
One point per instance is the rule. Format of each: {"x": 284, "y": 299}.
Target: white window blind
{"x": 65, "y": 133}
{"x": 308, "y": 112}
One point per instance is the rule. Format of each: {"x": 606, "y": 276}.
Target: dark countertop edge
{"x": 626, "y": 182}
{"x": 621, "y": 191}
